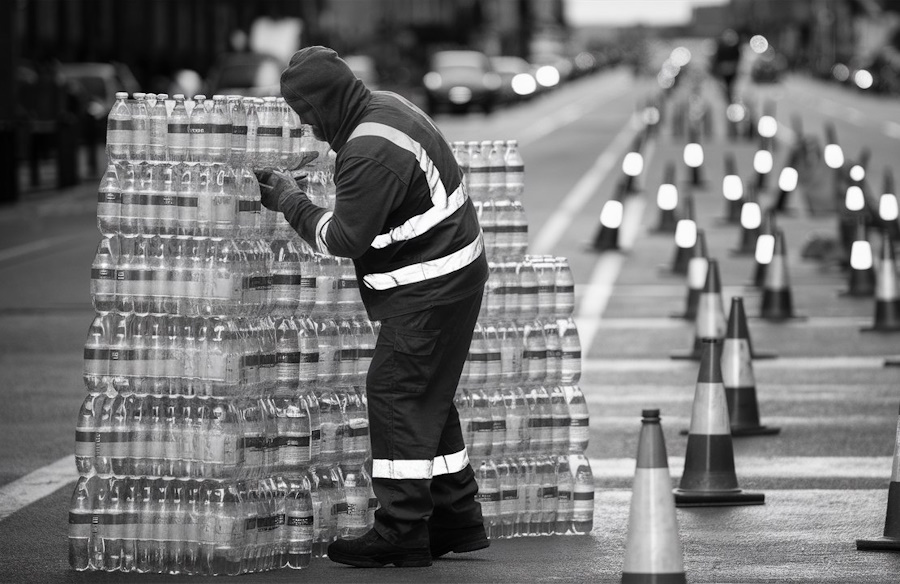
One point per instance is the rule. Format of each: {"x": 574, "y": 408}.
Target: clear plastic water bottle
{"x": 564, "y": 502}
{"x": 140, "y": 132}
{"x": 507, "y": 472}
{"x": 86, "y": 433}
{"x": 549, "y": 495}
{"x": 515, "y": 170}
{"x": 488, "y": 496}
{"x": 130, "y": 215}
{"x": 192, "y": 524}
{"x": 494, "y": 152}
{"x": 298, "y": 523}
{"x": 178, "y": 135}
{"x": 582, "y": 494}
{"x": 570, "y": 347}
{"x": 565, "y": 288}
{"x": 81, "y": 521}
{"x": 199, "y": 145}
{"x": 269, "y": 133}
{"x": 238, "y": 110}
{"x": 109, "y": 202}
{"x": 119, "y": 129}
{"x": 103, "y": 275}
{"x": 357, "y": 485}
{"x": 220, "y": 127}
{"x": 159, "y": 129}
{"x": 252, "y": 153}
{"x": 167, "y": 218}
{"x": 332, "y": 422}
{"x": 479, "y": 170}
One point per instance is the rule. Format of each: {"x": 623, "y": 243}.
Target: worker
{"x": 402, "y": 214}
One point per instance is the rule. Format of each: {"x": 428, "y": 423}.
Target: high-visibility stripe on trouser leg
{"x": 401, "y": 469}
{"x": 450, "y": 463}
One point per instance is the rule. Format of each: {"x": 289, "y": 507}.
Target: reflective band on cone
{"x": 698, "y": 266}
{"x": 777, "y": 302}
{"x": 890, "y": 540}
{"x": 738, "y": 378}
{"x": 710, "y": 320}
{"x": 887, "y": 297}
{"x": 653, "y": 551}
{"x": 709, "y": 478}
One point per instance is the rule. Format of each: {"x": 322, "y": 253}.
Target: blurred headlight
{"x": 548, "y": 76}
{"x": 524, "y": 84}
{"x": 433, "y": 81}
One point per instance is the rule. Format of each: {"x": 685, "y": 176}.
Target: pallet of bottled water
{"x": 224, "y": 428}
{"x": 524, "y": 416}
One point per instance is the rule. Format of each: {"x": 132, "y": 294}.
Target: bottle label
{"x": 239, "y": 130}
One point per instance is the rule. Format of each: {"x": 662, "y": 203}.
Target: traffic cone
{"x": 693, "y": 157}
{"x": 611, "y": 215}
{"x": 738, "y": 378}
{"x": 732, "y": 191}
{"x": 710, "y": 320}
{"x": 652, "y": 548}
{"x": 709, "y": 478}
{"x": 888, "y": 213}
{"x": 777, "y": 301}
{"x": 890, "y": 541}
{"x": 787, "y": 180}
{"x": 737, "y": 328}
{"x": 861, "y": 276}
{"x": 760, "y": 256}
{"x": 696, "y": 277}
{"x": 683, "y": 255}
{"x": 667, "y": 201}
{"x": 751, "y": 218}
{"x": 633, "y": 163}
{"x": 887, "y": 297}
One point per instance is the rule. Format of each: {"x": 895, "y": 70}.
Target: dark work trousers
{"x": 420, "y": 470}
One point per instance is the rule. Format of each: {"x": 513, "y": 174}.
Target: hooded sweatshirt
{"x": 401, "y": 211}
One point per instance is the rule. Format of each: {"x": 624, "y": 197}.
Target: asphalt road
{"x": 825, "y": 476}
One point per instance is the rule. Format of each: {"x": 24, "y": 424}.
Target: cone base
{"x": 754, "y": 430}
{"x": 763, "y": 356}
{"x": 864, "y": 293}
{"x": 879, "y": 544}
{"x": 783, "y": 318}
{"x": 683, "y": 316}
{"x": 892, "y": 363}
{"x": 882, "y": 328}
{"x": 670, "y": 578}
{"x": 717, "y": 498}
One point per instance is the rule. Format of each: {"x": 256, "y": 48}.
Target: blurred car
{"x": 364, "y": 68}
{"x": 99, "y": 83}
{"x": 461, "y": 80}
{"x": 253, "y": 74}
{"x": 516, "y": 81}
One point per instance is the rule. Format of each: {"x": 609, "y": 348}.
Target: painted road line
{"x": 780, "y": 467}
{"x": 654, "y": 323}
{"x": 35, "y": 246}
{"x": 583, "y": 191}
{"x": 791, "y": 363}
{"x": 620, "y": 394}
{"x": 36, "y": 485}
{"x": 843, "y": 421}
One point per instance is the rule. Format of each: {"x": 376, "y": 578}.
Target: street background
{"x": 825, "y": 476}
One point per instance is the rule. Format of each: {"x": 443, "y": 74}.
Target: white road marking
{"x": 678, "y": 423}
{"x": 36, "y": 485}
{"x": 650, "y": 323}
{"x": 622, "y": 394}
{"x": 793, "y": 363}
{"x": 781, "y": 467}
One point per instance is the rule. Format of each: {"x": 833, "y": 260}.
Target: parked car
{"x": 253, "y": 74}
{"x": 516, "y": 80}
{"x": 461, "y": 80}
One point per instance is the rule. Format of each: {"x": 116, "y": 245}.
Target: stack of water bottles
{"x": 225, "y": 429}
{"x": 523, "y": 413}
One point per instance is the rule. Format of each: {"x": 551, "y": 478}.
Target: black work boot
{"x": 460, "y": 540}
{"x": 373, "y": 551}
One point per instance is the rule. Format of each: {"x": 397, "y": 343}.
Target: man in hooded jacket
{"x": 402, "y": 214}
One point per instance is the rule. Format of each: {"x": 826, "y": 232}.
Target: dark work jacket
{"x": 393, "y": 168}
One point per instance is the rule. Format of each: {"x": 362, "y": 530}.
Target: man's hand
{"x": 273, "y": 186}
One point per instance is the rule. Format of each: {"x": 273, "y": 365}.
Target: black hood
{"x": 324, "y": 92}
